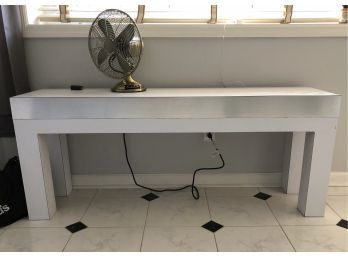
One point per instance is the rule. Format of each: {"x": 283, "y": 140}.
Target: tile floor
{"x": 120, "y": 220}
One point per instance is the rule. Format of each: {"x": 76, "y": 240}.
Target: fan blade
{"x": 106, "y": 28}
{"x": 114, "y": 66}
{"x": 124, "y": 64}
{"x": 101, "y": 57}
{"x": 126, "y": 35}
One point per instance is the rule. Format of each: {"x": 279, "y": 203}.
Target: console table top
{"x": 180, "y": 92}
{"x": 176, "y": 103}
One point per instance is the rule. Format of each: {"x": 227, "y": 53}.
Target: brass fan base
{"x": 128, "y": 85}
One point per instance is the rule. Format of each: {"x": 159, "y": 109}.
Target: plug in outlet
{"x": 206, "y": 137}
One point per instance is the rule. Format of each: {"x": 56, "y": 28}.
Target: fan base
{"x": 125, "y": 89}
{"x": 128, "y": 90}
{"x": 128, "y": 85}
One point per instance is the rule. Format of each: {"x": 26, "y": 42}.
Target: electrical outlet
{"x": 206, "y": 138}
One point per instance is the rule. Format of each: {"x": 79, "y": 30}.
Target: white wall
{"x": 195, "y": 62}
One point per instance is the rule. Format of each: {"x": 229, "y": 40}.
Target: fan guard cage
{"x": 117, "y": 55}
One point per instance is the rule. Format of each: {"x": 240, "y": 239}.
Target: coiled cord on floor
{"x": 194, "y": 189}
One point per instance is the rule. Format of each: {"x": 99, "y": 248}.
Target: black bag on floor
{"x": 12, "y": 199}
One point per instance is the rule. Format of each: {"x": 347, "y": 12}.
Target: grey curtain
{"x": 13, "y": 70}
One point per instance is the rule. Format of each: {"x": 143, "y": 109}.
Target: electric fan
{"x": 115, "y": 46}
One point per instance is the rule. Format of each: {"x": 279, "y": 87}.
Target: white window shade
{"x": 194, "y": 11}
{"x": 273, "y": 11}
{"x": 37, "y": 14}
{"x": 326, "y": 10}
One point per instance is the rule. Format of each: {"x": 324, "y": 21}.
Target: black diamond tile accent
{"x": 73, "y": 228}
{"x": 212, "y": 226}
{"x": 262, "y": 196}
{"x": 343, "y": 223}
{"x": 149, "y": 197}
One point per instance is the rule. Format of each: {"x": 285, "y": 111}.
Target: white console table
{"x": 43, "y": 117}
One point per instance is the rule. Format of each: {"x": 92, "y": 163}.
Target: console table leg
{"x": 293, "y": 158}
{"x": 318, "y": 153}
{"x": 60, "y": 166}
{"x": 36, "y": 173}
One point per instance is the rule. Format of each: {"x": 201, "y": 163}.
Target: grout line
{"x": 67, "y": 242}
{"x": 333, "y": 209}
{"x": 281, "y": 227}
{"x": 328, "y": 225}
{"x": 142, "y": 237}
{"x": 211, "y": 218}
{"x": 90, "y": 203}
{"x": 193, "y": 226}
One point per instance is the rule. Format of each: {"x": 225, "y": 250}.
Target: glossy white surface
{"x": 106, "y": 240}
{"x": 303, "y": 236}
{"x": 2, "y": 230}
{"x": 34, "y": 239}
{"x": 116, "y": 212}
{"x": 231, "y": 191}
{"x": 304, "y": 110}
{"x": 246, "y": 211}
{"x": 318, "y": 239}
{"x": 178, "y": 239}
{"x": 284, "y": 209}
{"x": 252, "y": 239}
{"x": 339, "y": 204}
{"x": 69, "y": 211}
{"x": 179, "y": 92}
{"x": 178, "y": 211}
{"x": 176, "y": 103}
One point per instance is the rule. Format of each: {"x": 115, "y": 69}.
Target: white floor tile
{"x": 241, "y": 211}
{"x": 318, "y": 238}
{"x": 34, "y": 239}
{"x": 252, "y": 239}
{"x": 178, "y": 239}
{"x": 182, "y": 211}
{"x": 106, "y": 240}
{"x": 339, "y": 204}
{"x": 231, "y": 191}
{"x": 116, "y": 212}
{"x": 2, "y": 230}
{"x": 116, "y": 218}
{"x": 285, "y": 210}
{"x": 337, "y": 191}
{"x": 186, "y": 193}
{"x": 274, "y": 191}
{"x": 139, "y": 192}
{"x": 83, "y": 193}
{"x": 69, "y": 210}
{"x": 122, "y": 193}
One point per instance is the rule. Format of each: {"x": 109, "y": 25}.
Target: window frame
{"x": 187, "y": 30}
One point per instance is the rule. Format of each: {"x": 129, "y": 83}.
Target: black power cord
{"x": 194, "y": 189}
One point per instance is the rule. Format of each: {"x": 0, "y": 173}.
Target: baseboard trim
{"x": 163, "y": 180}
{"x": 339, "y": 178}
{"x": 217, "y": 179}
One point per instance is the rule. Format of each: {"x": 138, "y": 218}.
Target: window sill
{"x": 197, "y": 30}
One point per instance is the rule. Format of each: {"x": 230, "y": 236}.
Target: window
{"x": 193, "y": 11}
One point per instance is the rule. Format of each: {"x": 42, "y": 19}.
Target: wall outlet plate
{"x": 206, "y": 138}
